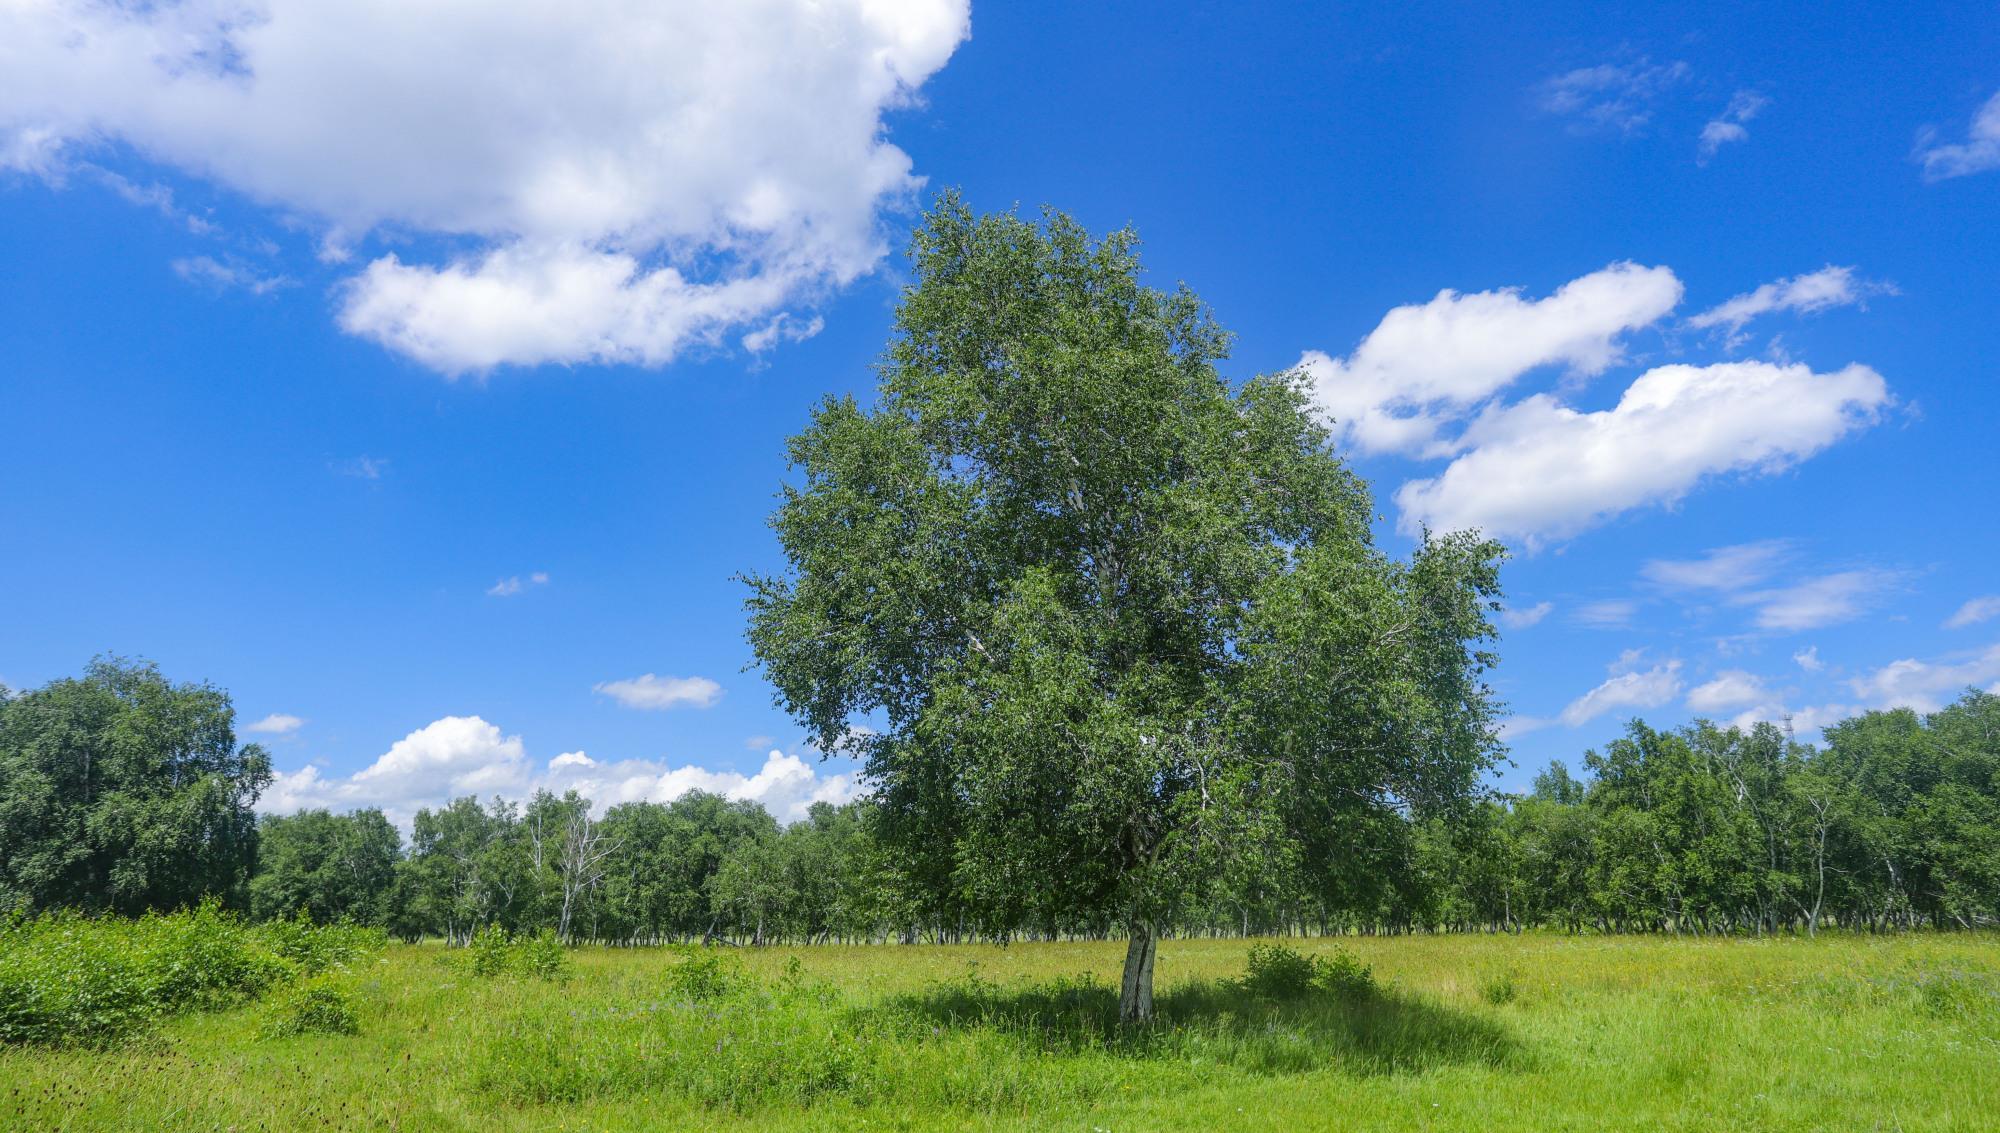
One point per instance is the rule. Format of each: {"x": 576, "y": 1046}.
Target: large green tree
{"x": 122, "y": 791}
{"x": 333, "y": 866}
{"x": 1110, "y": 620}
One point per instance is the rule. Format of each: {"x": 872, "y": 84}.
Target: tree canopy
{"x": 121, "y": 791}
{"x": 1103, "y": 625}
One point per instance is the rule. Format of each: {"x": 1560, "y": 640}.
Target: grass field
{"x": 1473, "y": 1033}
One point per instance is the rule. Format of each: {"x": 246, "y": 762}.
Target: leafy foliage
{"x": 67, "y": 979}
{"x": 318, "y": 1006}
{"x": 1279, "y": 972}
{"x": 1122, "y": 623}
{"x": 122, "y": 792}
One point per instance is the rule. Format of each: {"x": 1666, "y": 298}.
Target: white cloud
{"x": 1628, "y": 687}
{"x": 1727, "y": 127}
{"x": 1736, "y": 572}
{"x": 457, "y": 755}
{"x": 1975, "y": 611}
{"x": 276, "y": 724}
{"x": 1733, "y": 688}
{"x": 1978, "y": 153}
{"x": 1808, "y": 659}
{"x": 1823, "y": 601}
{"x": 1522, "y": 618}
{"x": 785, "y": 785}
{"x": 1426, "y": 365}
{"x": 651, "y": 692}
{"x": 1607, "y": 613}
{"x": 515, "y": 584}
{"x": 624, "y": 179}
{"x": 1610, "y": 96}
{"x": 1722, "y": 568}
{"x": 1928, "y": 685}
{"x": 1830, "y": 286}
{"x": 1540, "y": 471}
{"x": 211, "y": 272}
{"x": 465, "y": 755}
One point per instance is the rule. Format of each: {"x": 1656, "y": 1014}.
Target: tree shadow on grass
{"x": 1364, "y": 1031}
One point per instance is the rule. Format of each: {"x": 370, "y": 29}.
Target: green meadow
{"x": 1451, "y": 1032}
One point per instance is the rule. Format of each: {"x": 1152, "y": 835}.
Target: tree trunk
{"x": 1135, "y": 991}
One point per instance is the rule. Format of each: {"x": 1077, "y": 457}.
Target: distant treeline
{"x": 121, "y": 792}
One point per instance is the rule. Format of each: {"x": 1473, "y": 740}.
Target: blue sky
{"x": 420, "y": 373}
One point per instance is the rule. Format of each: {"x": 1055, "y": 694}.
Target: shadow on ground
{"x": 1366, "y": 1031}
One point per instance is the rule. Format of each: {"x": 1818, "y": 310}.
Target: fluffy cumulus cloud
{"x": 1425, "y": 365}
{"x": 1539, "y": 470}
{"x": 276, "y": 724}
{"x": 1830, "y": 286}
{"x": 1733, "y": 688}
{"x": 785, "y": 785}
{"x": 1929, "y": 685}
{"x": 465, "y": 755}
{"x": 1629, "y": 687}
{"x": 650, "y": 692}
{"x": 1979, "y": 152}
{"x": 622, "y": 179}
{"x": 1433, "y": 381}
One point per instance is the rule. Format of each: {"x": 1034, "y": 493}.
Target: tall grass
{"x": 1589, "y": 1033}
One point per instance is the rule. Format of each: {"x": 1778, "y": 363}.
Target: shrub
{"x": 1500, "y": 989}
{"x": 69, "y": 979}
{"x": 494, "y": 951}
{"x": 205, "y": 959}
{"x": 317, "y": 1006}
{"x": 703, "y": 976}
{"x": 542, "y": 956}
{"x": 65, "y": 979}
{"x": 1279, "y": 972}
{"x": 315, "y": 948}
{"x": 488, "y": 951}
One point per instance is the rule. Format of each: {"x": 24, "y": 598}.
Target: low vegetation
{"x": 1842, "y": 1031}
{"x": 72, "y": 980}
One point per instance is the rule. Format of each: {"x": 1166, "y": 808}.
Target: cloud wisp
{"x": 1727, "y": 127}
{"x": 1609, "y": 97}
{"x": 515, "y": 584}
{"x": 1978, "y": 153}
{"x": 655, "y": 693}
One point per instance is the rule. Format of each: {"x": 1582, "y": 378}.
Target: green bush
{"x": 488, "y": 951}
{"x": 703, "y": 976}
{"x": 542, "y": 956}
{"x": 92, "y": 981}
{"x": 1500, "y": 989}
{"x": 496, "y": 952}
{"x": 1279, "y": 972}
{"x": 67, "y": 979}
{"x": 317, "y": 1006}
{"x": 315, "y": 948}
{"x": 205, "y": 959}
